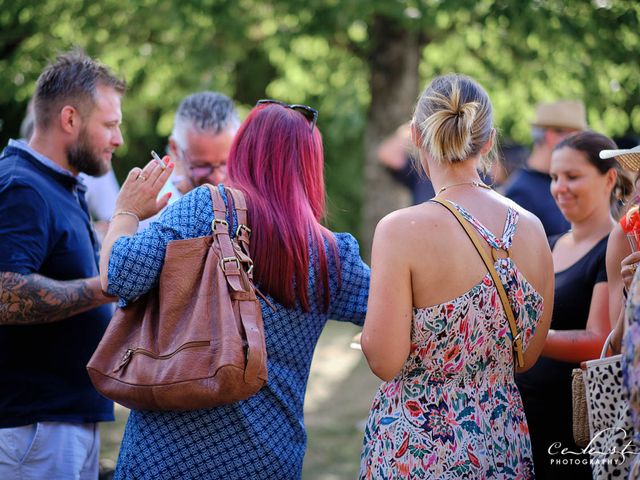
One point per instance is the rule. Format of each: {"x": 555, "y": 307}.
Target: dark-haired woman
{"x": 586, "y": 189}
{"x": 435, "y": 331}
{"x": 309, "y": 273}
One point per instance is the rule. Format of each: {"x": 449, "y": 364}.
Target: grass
{"x": 339, "y": 394}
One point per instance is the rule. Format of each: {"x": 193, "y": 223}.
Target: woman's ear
{"x": 486, "y": 148}
{"x": 424, "y": 163}
{"x": 612, "y": 178}
{"x": 416, "y": 136}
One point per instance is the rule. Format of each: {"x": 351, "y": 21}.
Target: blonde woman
{"x": 435, "y": 329}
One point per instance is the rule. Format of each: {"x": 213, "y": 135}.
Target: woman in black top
{"x": 585, "y": 189}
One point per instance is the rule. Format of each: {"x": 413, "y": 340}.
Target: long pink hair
{"x": 278, "y": 163}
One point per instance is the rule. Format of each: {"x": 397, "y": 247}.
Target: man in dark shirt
{"x": 52, "y": 309}
{"x": 530, "y": 186}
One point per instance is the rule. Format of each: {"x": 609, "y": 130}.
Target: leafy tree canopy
{"x": 326, "y": 53}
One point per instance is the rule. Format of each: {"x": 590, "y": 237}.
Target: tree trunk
{"x": 394, "y": 60}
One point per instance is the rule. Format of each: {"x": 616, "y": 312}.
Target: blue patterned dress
{"x": 264, "y": 436}
{"x": 454, "y": 410}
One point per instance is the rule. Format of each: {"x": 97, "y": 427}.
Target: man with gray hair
{"x": 529, "y": 187}
{"x": 203, "y": 129}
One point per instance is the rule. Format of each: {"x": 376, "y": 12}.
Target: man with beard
{"x": 52, "y": 309}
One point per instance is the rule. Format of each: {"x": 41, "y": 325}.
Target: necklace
{"x": 474, "y": 183}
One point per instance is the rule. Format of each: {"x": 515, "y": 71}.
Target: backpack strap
{"x": 243, "y": 232}
{"x": 240, "y": 205}
{"x": 517, "y": 340}
{"x": 248, "y": 307}
{"x": 220, "y": 230}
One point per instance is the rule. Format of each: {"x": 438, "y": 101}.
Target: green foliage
{"x": 319, "y": 52}
{"x": 525, "y": 52}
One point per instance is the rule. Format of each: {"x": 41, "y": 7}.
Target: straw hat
{"x": 564, "y": 114}
{"x": 629, "y": 158}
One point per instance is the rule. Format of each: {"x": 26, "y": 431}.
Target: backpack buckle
{"x": 242, "y": 228}
{"x": 225, "y": 260}
{"x": 216, "y": 222}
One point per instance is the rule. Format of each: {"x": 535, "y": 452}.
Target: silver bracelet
{"x": 125, "y": 212}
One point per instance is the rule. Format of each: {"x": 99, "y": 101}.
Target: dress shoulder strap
{"x": 501, "y": 243}
{"x": 516, "y": 338}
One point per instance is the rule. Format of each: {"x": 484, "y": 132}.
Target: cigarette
{"x": 157, "y": 158}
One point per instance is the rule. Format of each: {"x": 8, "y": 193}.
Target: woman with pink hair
{"x": 307, "y": 272}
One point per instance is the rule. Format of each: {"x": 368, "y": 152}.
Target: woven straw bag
{"x": 598, "y": 387}
{"x": 580, "y": 414}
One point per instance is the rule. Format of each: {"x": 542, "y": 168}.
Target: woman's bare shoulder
{"x": 406, "y": 226}
{"x": 617, "y": 247}
{"x": 426, "y": 214}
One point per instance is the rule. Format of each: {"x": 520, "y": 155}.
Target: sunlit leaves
{"x": 320, "y": 52}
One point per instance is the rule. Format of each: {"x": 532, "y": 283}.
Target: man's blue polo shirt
{"x": 45, "y": 229}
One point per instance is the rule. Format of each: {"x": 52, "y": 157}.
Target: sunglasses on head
{"x": 309, "y": 113}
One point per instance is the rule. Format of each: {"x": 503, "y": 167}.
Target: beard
{"x": 84, "y": 159}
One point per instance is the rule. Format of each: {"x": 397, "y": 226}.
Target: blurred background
{"x": 361, "y": 64}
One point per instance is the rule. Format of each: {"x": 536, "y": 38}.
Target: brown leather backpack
{"x": 197, "y": 339}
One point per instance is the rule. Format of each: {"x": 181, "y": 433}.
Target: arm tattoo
{"x": 34, "y": 299}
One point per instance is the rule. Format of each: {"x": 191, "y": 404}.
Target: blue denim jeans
{"x": 51, "y": 450}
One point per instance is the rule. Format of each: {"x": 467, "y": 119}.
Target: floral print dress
{"x": 454, "y": 410}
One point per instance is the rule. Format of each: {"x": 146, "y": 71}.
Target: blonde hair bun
{"x": 455, "y": 118}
